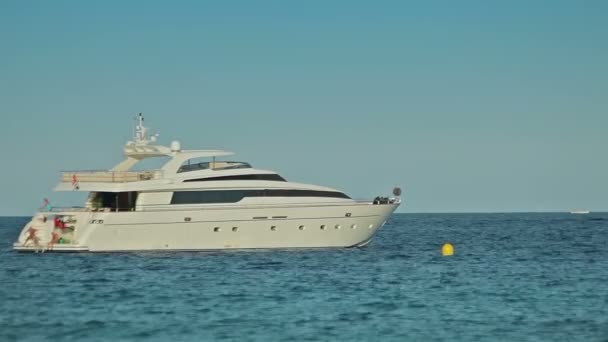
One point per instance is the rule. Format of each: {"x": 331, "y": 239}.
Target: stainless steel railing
{"x": 109, "y": 176}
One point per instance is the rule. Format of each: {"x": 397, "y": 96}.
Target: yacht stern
{"x": 51, "y": 231}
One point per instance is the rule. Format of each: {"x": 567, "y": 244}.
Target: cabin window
{"x": 233, "y": 196}
{"x": 196, "y": 197}
{"x": 214, "y": 165}
{"x": 266, "y": 177}
{"x": 114, "y": 201}
{"x": 303, "y": 193}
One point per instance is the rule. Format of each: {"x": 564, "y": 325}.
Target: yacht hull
{"x": 212, "y": 228}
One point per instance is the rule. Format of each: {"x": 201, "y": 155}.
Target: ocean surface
{"x": 514, "y": 277}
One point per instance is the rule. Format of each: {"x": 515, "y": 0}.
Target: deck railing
{"x": 109, "y": 176}
{"x": 168, "y": 207}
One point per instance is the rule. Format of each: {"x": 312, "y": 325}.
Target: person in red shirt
{"x": 58, "y": 223}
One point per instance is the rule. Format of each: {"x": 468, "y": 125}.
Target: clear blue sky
{"x": 468, "y": 105}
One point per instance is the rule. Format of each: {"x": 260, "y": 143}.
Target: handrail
{"x": 64, "y": 209}
{"x": 108, "y": 171}
{"x": 104, "y": 176}
{"x": 168, "y": 207}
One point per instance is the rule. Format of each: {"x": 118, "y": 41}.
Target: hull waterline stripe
{"x": 211, "y": 250}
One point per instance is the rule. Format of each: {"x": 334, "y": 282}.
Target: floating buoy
{"x": 447, "y": 249}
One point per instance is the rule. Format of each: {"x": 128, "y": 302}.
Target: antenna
{"x": 141, "y": 132}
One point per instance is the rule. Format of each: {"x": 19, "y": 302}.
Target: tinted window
{"x": 228, "y": 165}
{"x": 192, "y": 197}
{"x": 233, "y": 196}
{"x": 303, "y": 193}
{"x": 267, "y": 177}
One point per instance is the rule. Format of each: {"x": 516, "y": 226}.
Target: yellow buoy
{"x": 447, "y": 249}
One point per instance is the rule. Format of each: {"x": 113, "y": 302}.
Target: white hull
{"x": 215, "y": 228}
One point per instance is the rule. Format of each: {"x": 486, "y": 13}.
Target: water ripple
{"x": 519, "y": 277}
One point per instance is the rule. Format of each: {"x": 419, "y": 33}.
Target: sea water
{"x": 514, "y": 277}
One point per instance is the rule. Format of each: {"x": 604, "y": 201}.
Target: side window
{"x": 198, "y": 197}
{"x": 265, "y": 177}
{"x": 233, "y": 196}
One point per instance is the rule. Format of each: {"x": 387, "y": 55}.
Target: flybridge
{"x": 143, "y": 147}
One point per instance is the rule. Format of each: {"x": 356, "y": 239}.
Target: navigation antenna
{"x": 141, "y": 132}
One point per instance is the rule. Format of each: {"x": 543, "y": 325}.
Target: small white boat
{"x": 211, "y": 205}
{"x": 580, "y": 212}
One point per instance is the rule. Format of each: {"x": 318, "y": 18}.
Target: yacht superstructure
{"x": 188, "y": 205}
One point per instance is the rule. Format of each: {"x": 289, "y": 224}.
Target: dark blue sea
{"x": 514, "y": 277}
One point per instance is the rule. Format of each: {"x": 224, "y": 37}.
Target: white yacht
{"x": 189, "y": 205}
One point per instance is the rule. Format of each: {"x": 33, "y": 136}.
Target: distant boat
{"x": 580, "y": 212}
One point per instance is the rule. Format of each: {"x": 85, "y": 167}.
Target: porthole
{"x": 187, "y": 219}
{"x": 216, "y": 229}
{"x": 302, "y": 227}
{"x": 323, "y": 227}
{"x": 234, "y": 229}
{"x": 338, "y": 226}
{"x": 371, "y": 226}
{"x": 273, "y": 228}
{"x": 354, "y": 226}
